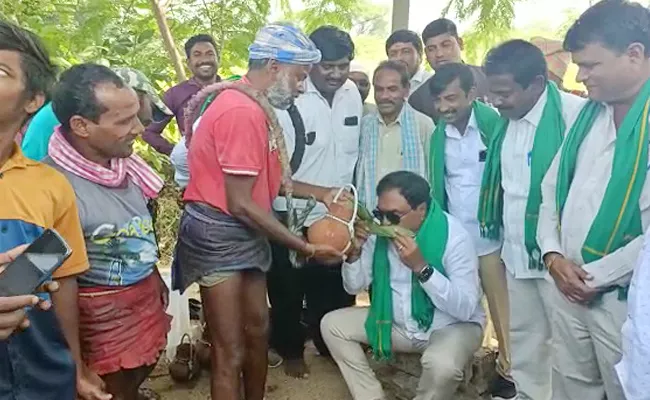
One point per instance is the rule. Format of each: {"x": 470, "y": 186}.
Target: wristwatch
{"x": 425, "y": 274}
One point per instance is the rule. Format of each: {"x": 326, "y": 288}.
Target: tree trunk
{"x": 168, "y": 40}
{"x": 400, "y": 14}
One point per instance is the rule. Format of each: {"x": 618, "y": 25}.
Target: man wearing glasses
{"x": 425, "y": 294}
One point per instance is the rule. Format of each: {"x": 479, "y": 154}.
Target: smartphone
{"x": 35, "y": 265}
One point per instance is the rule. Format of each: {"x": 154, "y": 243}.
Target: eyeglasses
{"x": 393, "y": 217}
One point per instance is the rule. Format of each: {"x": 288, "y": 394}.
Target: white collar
{"x": 452, "y": 132}
{"x": 535, "y": 114}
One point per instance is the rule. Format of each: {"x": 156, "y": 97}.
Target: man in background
{"x": 360, "y": 77}
{"x": 393, "y": 138}
{"x": 443, "y": 45}
{"x": 203, "y": 60}
{"x": 331, "y": 111}
{"x": 405, "y": 46}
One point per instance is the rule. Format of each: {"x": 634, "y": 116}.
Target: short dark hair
{"x": 404, "y": 36}
{"x": 38, "y": 71}
{"x": 439, "y": 27}
{"x": 614, "y": 24}
{"x": 333, "y": 43}
{"x": 200, "y": 38}
{"x": 519, "y": 58}
{"x": 396, "y": 66}
{"x": 413, "y": 187}
{"x": 447, "y": 73}
{"x": 75, "y": 92}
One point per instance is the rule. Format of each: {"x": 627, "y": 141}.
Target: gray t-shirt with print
{"x": 118, "y": 228}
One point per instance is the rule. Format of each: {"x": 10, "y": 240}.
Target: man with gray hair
{"x": 237, "y": 162}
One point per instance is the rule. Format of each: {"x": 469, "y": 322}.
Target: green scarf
{"x": 619, "y": 218}
{"x": 432, "y": 240}
{"x": 548, "y": 139}
{"x": 486, "y": 119}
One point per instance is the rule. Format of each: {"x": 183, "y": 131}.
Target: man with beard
{"x": 203, "y": 61}
{"x": 237, "y": 160}
{"x": 457, "y": 159}
{"x": 535, "y": 116}
{"x": 331, "y": 110}
{"x": 360, "y": 77}
{"x": 405, "y": 46}
{"x": 122, "y": 298}
{"x": 43, "y": 361}
{"x": 597, "y": 200}
{"x": 394, "y": 137}
{"x": 442, "y": 45}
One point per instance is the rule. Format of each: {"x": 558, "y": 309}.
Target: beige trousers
{"x": 587, "y": 346}
{"x": 530, "y": 337}
{"x": 444, "y": 356}
{"x": 493, "y": 279}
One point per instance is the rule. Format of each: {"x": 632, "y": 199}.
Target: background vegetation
{"x": 126, "y": 32}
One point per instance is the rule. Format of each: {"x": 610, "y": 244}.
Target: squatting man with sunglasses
{"x": 425, "y": 294}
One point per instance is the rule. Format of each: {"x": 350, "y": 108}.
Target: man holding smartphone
{"x": 12, "y": 309}
{"x": 43, "y": 361}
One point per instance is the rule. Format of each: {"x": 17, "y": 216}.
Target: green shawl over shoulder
{"x": 548, "y": 139}
{"x": 619, "y": 218}
{"x": 432, "y": 241}
{"x": 486, "y": 119}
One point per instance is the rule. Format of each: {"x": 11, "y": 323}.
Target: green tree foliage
{"x": 493, "y": 23}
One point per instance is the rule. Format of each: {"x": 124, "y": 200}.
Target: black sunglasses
{"x": 391, "y": 216}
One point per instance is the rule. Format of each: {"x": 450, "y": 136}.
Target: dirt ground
{"x": 324, "y": 383}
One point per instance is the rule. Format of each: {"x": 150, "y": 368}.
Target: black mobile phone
{"x": 35, "y": 265}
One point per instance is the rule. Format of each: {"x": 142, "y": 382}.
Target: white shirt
{"x": 592, "y": 174}
{"x": 463, "y": 178}
{"x": 178, "y": 158}
{"x": 634, "y": 368}
{"x": 330, "y": 160}
{"x": 515, "y": 172}
{"x": 418, "y": 79}
{"x": 456, "y": 297}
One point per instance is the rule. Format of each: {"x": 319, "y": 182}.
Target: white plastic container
{"x": 179, "y": 310}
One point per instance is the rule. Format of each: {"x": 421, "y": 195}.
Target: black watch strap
{"x": 425, "y": 274}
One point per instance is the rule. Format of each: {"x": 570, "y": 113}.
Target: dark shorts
{"x": 211, "y": 242}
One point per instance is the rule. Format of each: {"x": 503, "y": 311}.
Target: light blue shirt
{"x": 38, "y": 133}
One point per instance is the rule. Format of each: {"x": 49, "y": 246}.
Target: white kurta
{"x": 332, "y": 148}
{"x": 591, "y": 342}
{"x": 530, "y": 331}
{"x": 634, "y": 369}
{"x": 464, "y": 166}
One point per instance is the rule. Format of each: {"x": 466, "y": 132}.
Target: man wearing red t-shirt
{"x": 235, "y": 173}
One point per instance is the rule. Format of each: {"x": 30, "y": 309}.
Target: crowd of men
{"x": 515, "y": 190}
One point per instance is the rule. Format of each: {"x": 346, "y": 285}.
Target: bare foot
{"x": 296, "y": 368}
